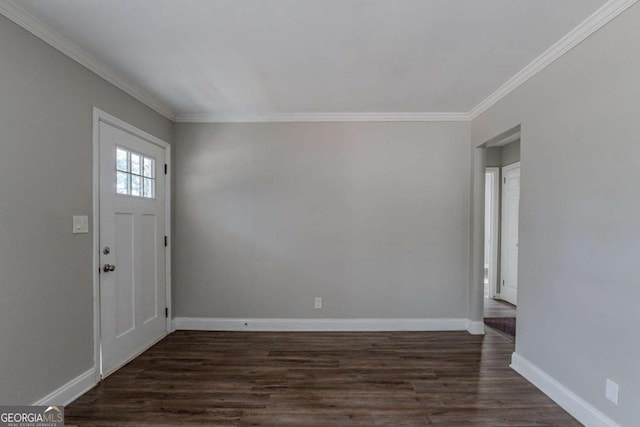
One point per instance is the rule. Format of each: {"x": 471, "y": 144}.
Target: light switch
{"x": 80, "y": 224}
{"x": 611, "y": 391}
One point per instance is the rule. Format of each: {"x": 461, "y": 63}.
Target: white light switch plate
{"x": 611, "y": 391}
{"x": 80, "y": 224}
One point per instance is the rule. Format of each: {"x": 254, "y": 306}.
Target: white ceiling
{"x": 309, "y": 56}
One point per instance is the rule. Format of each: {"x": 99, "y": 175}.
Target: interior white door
{"x": 491, "y": 230}
{"x": 132, "y": 246}
{"x": 510, "y": 213}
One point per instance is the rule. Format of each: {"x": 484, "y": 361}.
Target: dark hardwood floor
{"x": 498, "y": 308}
{"x": 319, "y": 379}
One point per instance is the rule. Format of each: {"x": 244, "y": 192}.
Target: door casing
{"x": 101, "y": 116}
{"x": 503, "y": 239}
{"x": 494, "y": 289}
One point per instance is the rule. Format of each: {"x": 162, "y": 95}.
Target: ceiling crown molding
{"x": 20, "y": 16}
{"x": 322, "y": 117}
{"x": 597, "y": 20}
{"x": 593, "y": 23}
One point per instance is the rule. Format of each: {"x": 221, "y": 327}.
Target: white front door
{"x": 510, "y": 212}
{"x": 132, "y": 245}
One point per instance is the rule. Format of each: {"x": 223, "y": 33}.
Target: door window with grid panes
{"x": 135, "y": 174}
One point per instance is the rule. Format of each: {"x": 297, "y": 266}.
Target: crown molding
{"x": 593, "y": 23}
{"x": 597, "y": 20}
{"x": 20, "y": 16}
{"x": 321, "y": 117}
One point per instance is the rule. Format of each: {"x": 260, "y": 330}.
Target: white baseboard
{"x": 475, "y": 327}
{"x": 71, "y": 390}
{"x": 569, "y": 401}
{"x": 322, "y": 325}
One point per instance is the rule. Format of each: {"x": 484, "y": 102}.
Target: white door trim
{"x": 505, "y": 169}
{"x": 495, "y": 227}
{"x": 510, "y": 166}
{"x": 101, "y": 116}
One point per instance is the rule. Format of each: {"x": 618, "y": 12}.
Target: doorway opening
{"x": 502, "y": 195}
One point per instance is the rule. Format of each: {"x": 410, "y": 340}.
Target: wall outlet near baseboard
{"x": 318, "y": 302}
{"x": 611, "y": 391}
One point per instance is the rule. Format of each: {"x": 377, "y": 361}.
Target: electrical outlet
{"x": 318, "y": 302}
{"x": 611, "y": 391}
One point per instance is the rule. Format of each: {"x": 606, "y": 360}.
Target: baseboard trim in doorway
{"x": 568, "y": 400}
{"x": 475, "y": 327}
{"x": 325, "y": 325}
{"x": 70, "y": 391}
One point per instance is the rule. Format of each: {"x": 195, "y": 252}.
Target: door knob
{"x": 108, "y": 267}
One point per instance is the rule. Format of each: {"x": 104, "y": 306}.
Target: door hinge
{"x": 166, "y": 241}
{"x": 166, "y": 312}
{"x": 166, "y": 168}
{"x": 502, "y": 282}
{"x": 504, "y": 179}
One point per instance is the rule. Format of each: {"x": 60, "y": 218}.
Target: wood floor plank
{"x": 498, "y": 308}
{"x": 319, "y": 379}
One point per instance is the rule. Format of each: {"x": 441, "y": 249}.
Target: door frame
{"x": 502, "y": 208}
{"x": 494, "y": 291}
{"x": 101, "y": 116}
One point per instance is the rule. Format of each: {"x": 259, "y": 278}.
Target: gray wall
{"x": 510, "y": 153}
{"x": 504, "y": 155}
{"x": 494, "y": 157}
{"x": 579, "y": 287}
{"x": 373, "y": 217}
{"x": 46, "y": 320}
